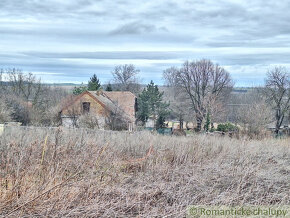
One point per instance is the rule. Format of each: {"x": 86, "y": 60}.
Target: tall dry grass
{"x": 73, "y": 173}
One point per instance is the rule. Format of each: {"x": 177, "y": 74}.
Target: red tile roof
{"x": 125, "y": 100}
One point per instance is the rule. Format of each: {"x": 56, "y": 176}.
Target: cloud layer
{"x": 69, "y": 40}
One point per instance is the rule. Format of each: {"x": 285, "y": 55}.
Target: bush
{"x": 227, "y": 127}
{"x": 212, "y": 129}
{"x": 89, "y": 121}
{"x": 255, "y": 118}
{"x": 4, "y": 112}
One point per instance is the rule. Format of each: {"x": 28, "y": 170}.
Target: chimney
{"x": 99, "y": 92}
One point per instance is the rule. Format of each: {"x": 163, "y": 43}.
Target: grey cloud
{"x": 146, "y": 55}
{"x": 224, "y": 59}
{"x": 136, "y": 28}
{"x": 41, "y": 7}
{"x": 252, "y": 59}
{"x": 38, "y": 34}
{"x": 77, "y": 71}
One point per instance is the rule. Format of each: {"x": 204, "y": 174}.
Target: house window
{"x": 86, "y": 107}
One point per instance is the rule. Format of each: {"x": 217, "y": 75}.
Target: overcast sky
{"x": 69, "y": 40}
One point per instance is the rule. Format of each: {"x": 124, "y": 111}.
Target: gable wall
{"x": 76, "y": 107}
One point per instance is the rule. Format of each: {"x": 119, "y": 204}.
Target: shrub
{"x": 212, "y": 129}
{"x": 227, "y": 127}
{"x": 4, "y": 112}
{"x": 88, "y": 121}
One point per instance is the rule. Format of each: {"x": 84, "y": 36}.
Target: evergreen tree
{"x": 79, "y": 90}
{"x": 94, "y": 83}
{"x": 109, "y": 88}
{"x": 151, "y": 105}
{"x": 160, "y": 122}
{"x": 207, "y": 122}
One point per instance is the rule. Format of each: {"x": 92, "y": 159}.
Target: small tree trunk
{"x": 154, "y": 122}
{"x": 279, "y": 121}
{"x": 199, "y": 122}
{"x": 276, "y": 132}
{"x": 180, "y": 122}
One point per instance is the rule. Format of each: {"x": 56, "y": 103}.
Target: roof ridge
{"x": 121, "y": 91}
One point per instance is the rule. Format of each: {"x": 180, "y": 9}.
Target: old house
{"x": 112, "y": 110}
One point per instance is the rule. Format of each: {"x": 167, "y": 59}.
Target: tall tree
{"x": 277, "y": 92}
{"x": 178, "y": 102}
{"x": 94, "y": 83}
{"x": 23, "y": 93}
{"x": 151, "y": 105}
{"x": 109, "y": 88}
{"x": 125, "y": 78}
{"x": 26, "y": 86}
{"x": 203, "y": 82}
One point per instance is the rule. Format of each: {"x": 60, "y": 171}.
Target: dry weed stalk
{"x": 115, "y": 174}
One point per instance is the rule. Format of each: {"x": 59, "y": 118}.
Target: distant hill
{"x": 62, "y": 84}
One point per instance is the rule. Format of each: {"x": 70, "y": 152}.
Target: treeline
{"x": 124, "y": 79}
{"x": 202, "y": 90}
{"x": 24, "y": 99}
{"x": 199, "y": 92}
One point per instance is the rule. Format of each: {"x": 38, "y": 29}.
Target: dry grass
{"x": 73, "y": 173}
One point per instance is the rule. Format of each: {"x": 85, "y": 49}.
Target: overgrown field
{"x": 74, "y": 173}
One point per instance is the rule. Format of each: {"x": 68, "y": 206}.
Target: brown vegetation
{"x": 24, "y": 99}
{"x": 78, "y": 172}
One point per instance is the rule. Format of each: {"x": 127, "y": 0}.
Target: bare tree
{"x": 255, "y": 114}
{"x": 202, "y": 81}
{"x": 25, "y": 85}
{"x": 125, "y": 78}
{"x": 178, "y": 106}
{"x": 5, "y": 111}
{"x": 28, "y": 101}
{"x": 216, "y": 109}
{"x": 177, "y": 98}
{"x": 277, "y": 91}
{"x": 116, "y": 120}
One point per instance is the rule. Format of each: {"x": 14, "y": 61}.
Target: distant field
{"x": 236, "y": 90}
{"x": 66, "y": 86}
{"x": 61, "y": 172}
